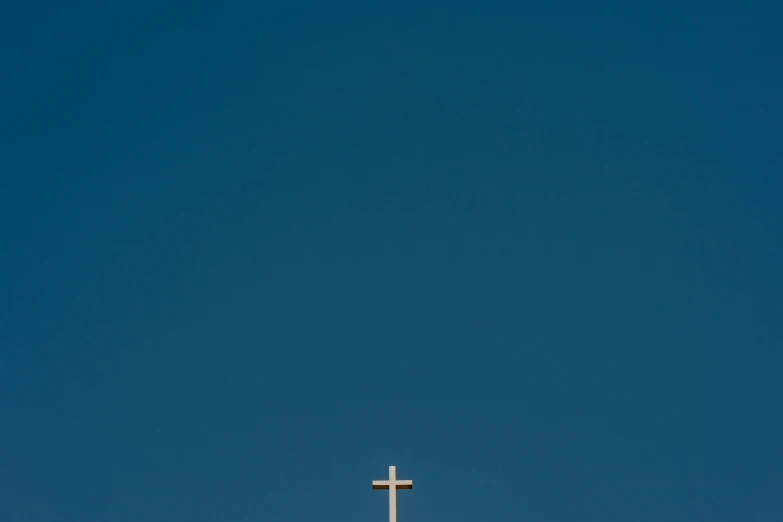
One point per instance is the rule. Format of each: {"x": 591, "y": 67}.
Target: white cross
{"x": 392, "y": 485}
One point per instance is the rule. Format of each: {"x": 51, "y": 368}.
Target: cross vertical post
{"x": 392, "y": 494}
{"x": 392, "y": 485}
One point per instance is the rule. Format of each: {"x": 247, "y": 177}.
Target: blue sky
{"x": 253, "y": 254}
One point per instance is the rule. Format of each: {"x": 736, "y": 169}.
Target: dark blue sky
{"x": 253, "y": 254}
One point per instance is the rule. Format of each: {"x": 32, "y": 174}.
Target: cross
{"x": 392, "y": 485}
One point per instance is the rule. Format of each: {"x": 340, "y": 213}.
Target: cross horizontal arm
{"x": 399, "y": 484}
